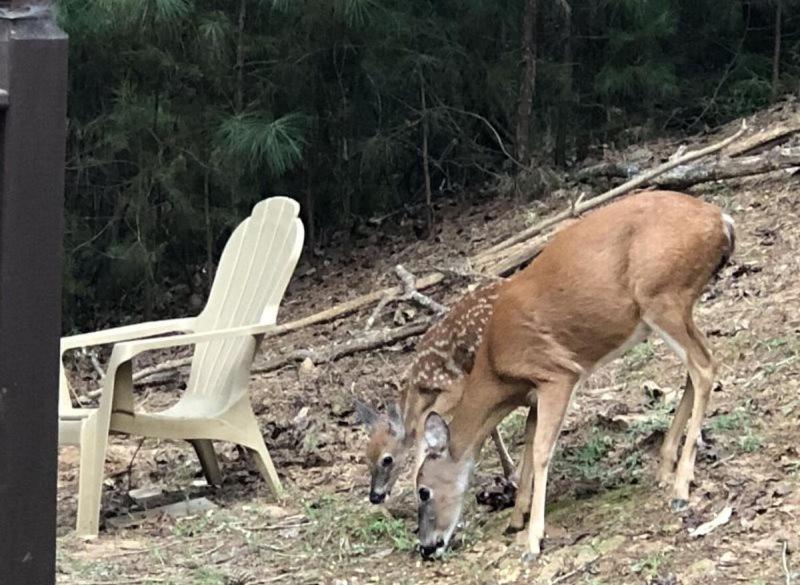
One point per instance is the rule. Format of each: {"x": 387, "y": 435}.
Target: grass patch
{"x": 513, "y": 426}
{"x": 638, "y": 356}
{"x": 650, "y": 565}
{"x": 738, "y": 423}
{"x": 341, "y": 528}
{"x": 750, "y": 443}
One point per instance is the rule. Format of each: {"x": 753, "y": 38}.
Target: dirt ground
{"x": 608, "y": 522}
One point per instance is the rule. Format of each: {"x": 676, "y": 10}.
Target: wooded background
{"x": 183, "y": 113}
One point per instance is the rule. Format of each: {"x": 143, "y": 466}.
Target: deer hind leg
{"x": 522, "y": 504}
{"x": 502, "y": 451}
{"x": 669, "y": 448}
{"x": 680, "y": 333}
{"x": 552, "y": 401}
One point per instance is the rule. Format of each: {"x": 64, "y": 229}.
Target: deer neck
{"x": 479, "y": 411}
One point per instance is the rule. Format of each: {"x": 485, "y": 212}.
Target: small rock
{"x": 300, "y": 416}
{"x": 306, "y": 370}
{"x": 609, "y": 544}
{"x": 699, "y": 572}
{"x": 146, "y": 493}
{"x": 728, "y": 559}
{"x": 275, "y": 512}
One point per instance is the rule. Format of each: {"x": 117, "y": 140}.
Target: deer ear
{"x": 437, "y": 435}
{"x": 396, "y": 423}
{"x": 366, "y": 415}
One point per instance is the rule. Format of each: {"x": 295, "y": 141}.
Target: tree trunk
{"x": 239, "y": 99}
{"x": 426, "y": 172}
{"x": 309, "y": 209}
{"x": 527, "y": 82}
{"x": 209, "y": 234}
{"x": 776, "y": 49}
{"x": 564, "y": 111}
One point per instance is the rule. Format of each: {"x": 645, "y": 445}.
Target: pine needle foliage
{"x": 183, "y": 113}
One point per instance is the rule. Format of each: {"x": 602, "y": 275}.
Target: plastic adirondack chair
{"x": 252, "y": 276}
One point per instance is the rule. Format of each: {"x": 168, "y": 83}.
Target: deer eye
{"x": 424, "y": 494}
{"x": 387, "y": 460}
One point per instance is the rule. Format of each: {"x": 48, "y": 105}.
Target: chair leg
{"x": 90, "y": 483}
{"x": 241, "y": 417}
{"x": 208, "y": 460}
{"x": 258, "y": 450}
{"x": 265, "y": 466}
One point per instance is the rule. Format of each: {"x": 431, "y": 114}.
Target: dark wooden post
{"x": 33, "y": 80}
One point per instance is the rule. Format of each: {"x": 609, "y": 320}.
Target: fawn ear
{"x": 396, "y": 423}
{"x": 366, "y": 415}
{"x": 437, "y": 435}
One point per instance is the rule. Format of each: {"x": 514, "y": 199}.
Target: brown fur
{"x": 640, "y": 262}
{"x": 444, "y": 355}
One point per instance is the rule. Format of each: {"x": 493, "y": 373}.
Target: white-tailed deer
{"x": 601, "y": 285}
{"x": 444, "y": 355}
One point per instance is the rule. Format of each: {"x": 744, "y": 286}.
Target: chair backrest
{"x": 252, "y": 276}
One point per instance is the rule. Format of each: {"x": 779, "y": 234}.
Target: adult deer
{"x": 444, "y": 355}
{"x": 601, "y": 285}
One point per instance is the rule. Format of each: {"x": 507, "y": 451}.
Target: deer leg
{"x": 505, "y": 459}
{"x": 701, "y": 371}
{"x": 669, "y": 448}
{"x": 552, "y": 402}
{"x": 522, "y": 504}
{"x": 680, "y": 333}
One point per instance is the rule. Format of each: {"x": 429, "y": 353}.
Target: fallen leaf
{"x": 719, "y": 520}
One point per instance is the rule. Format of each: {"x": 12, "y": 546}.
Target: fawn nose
{"x": 376, "y": 498}
{"x": 427, "y": 552}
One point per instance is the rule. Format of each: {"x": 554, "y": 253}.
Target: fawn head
{"x": 387, "y": 448}
{"x": 441, "y": 484}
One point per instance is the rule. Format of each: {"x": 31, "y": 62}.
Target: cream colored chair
{"x": 252, "y": 276}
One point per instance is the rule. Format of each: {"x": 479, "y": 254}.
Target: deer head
{"x": 387, "y": 448}
{"x": 441, "y": 484}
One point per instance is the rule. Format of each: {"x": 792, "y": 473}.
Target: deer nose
{"x": 427, "y": 551}
{"x": 376, "y": 498}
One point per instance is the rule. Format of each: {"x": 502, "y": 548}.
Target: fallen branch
{"x": 325, "y": 316}
{"x": 338, "y": 350}
{"x": 641, "y": 179}
{"x": 378, "y": 309}
{"x": 410, "y": 291}
{"x": 144, "y": 375}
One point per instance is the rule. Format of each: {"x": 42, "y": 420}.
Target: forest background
{"x": 183, "y": 113}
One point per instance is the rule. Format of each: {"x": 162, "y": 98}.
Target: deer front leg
{"x": 552, "y": 402}
{"x": 522, "y": 504}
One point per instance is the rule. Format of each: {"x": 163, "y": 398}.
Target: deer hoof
{"x": 678, "y": 505}
{"x": 529, "y": 558}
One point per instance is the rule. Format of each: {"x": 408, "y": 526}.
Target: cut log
{"x": 729, "y": 168}
{"x": 765, "y": 139}
{"x": 641, "y": 179}
{"x": 720, "y": 169}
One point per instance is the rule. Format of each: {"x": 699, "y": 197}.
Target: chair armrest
{"x": 125, "y": 351}
{"x": 127, "y": 333}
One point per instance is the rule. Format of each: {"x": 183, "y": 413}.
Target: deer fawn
{"x": 445, "y": 354}
{"x": 602, "y": 284}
